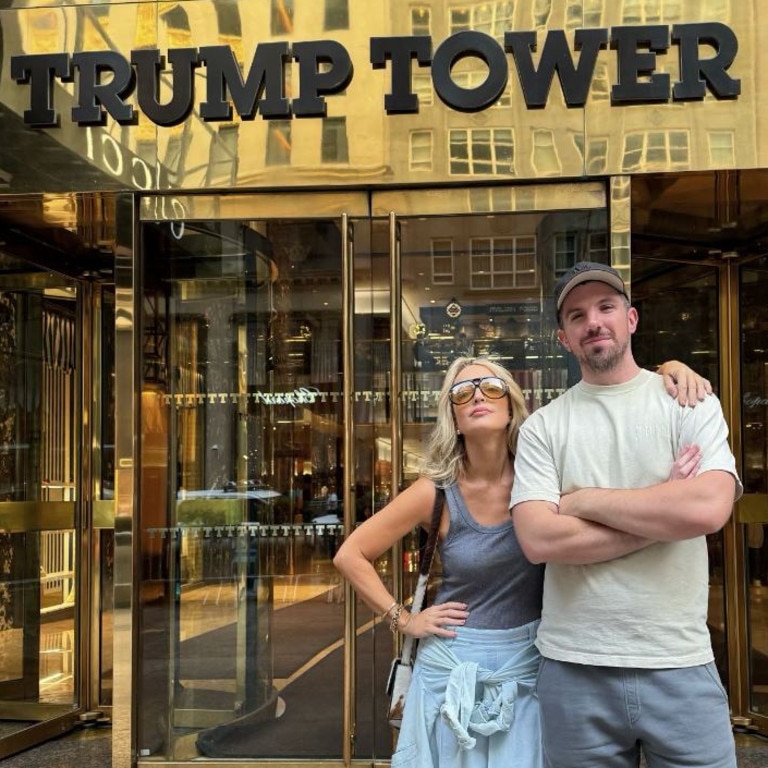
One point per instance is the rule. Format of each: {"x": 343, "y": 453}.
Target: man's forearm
{"x": 670, "y": 511}
{"x": 547, "y": 537}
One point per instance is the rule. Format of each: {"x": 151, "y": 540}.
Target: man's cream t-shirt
{"x": 647, "y": 609}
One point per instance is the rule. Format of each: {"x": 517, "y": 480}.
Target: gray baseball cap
{"x": 584, "y": 272}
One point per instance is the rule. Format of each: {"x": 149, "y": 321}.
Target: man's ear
{"x": 632, "y": 318}
{"x": 563, "y": 340}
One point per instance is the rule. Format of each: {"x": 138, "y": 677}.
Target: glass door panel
{"x": 39, "y": 475}
{"x": 242, "y": 489}
{"x": 242, "y": 465}
{"x": 481, "y": 286}
{"x": 467, "y": 285}
{"x": 373, "y": 470}
{"x": 753, "y": 509}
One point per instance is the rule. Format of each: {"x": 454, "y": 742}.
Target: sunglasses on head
{"x": 463, "y": 391}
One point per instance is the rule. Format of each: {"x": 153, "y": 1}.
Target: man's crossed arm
{"x": 592, "y": 525}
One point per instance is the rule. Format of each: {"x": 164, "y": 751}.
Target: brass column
{"x": 126, "y": 437}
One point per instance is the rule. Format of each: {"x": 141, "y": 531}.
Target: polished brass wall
{"x": 357, "y": 143}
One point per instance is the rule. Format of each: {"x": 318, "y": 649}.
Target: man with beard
{"x": 627, "y": 660}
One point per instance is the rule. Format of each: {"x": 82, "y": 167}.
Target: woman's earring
{"x": 458, "y": 431}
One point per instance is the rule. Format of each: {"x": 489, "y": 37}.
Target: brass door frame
{"x": 385, "y": 205}
{"x": 733, "y": 555}
{"x": 342, "y": 206}
{"x": 348, "y": 346}
{"x": 746, "y": 510}
{"x": 126, "y": 497}
{"x": 49, "y": 719}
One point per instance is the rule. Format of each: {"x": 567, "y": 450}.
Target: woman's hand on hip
{"x": 437, "y": 620}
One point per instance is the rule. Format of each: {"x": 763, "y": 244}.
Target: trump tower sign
{"x": 106, "y": 82}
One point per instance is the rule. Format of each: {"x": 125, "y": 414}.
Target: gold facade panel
{"x": 197, "y": 207}
{"x": 356, "y": 142}
{"x": 442, "y": 202}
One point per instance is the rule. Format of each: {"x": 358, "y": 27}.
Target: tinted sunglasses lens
{"x": 462, "y": 392}
{"x": 493, "y": 388}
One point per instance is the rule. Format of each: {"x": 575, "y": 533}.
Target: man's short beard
{"x": 605, "y": 362}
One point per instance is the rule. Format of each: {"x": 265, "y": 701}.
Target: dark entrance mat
{"x": 297, "y": 633}
{"x": 311, "y": 724}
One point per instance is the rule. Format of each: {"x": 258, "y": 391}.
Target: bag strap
{"x": 425, "y": 566}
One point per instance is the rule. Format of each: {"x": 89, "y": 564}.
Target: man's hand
{"x": 683, "y": 383}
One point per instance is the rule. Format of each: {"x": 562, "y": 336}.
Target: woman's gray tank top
{"x": 484, "y": 567}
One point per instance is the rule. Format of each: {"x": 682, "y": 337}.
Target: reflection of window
{"x": 578, "y": 140}
{"x": 442, "y": 262}
{"x": 176, "y": 149}
{"x": 177, "y": 23}
{"x": 482, "y": 150}
{"x": 473, "y": 78}
{"x": 421, "y": 21}
{"x": 656, "y": 149}
{"x": 584, "y": 13}
{"x": 222, "y": 164}
{"x": 281, "y": 18}
{"x": 422, "y": 87}
{"x": 593, "y": 13}
{"x": 228, "y": 17}
{"x": 278, "y": 142}
{"x": 421, "y": 151}
{"x": 651, "y": 11}
{"x": 545, "y": 160}
{"x": 574, "y": 15}
{"x": 336, "y": 14}
{"x": 541, "y": 11}
{"x": 600, "y": 87}
{"x": 597, "y": 158}
{"x": 597, "y": 247}
{"x": 502, "y": 262}
{"x": 565, "y": 252}
{"x": 335, "y": 149}
{"x": 496, "y": 199}
{"x": 492, "y": 18}
{"x": 230, "y": 27}
{"x": 722, "y": 152}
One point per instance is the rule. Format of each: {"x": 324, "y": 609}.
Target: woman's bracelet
{"x": 395, "y": 620}
{"x": 386, "y": 613}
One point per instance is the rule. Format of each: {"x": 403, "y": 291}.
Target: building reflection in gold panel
{"x": 350, "y": 138}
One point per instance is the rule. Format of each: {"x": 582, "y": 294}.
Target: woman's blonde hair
{"x": 445, "y": 456}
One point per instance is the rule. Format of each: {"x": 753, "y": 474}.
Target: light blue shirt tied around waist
{"x": 444, "y": 686}
{"x": 494, "y": 713}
